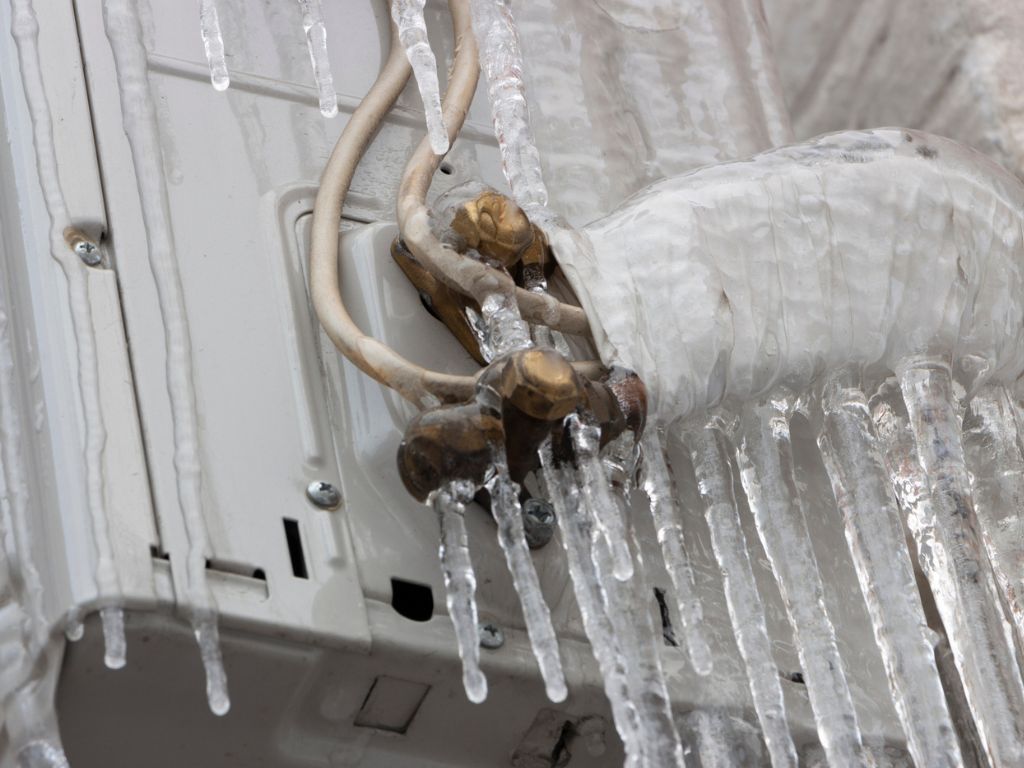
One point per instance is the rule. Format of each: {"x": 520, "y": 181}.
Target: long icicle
{"x": 124, "y": 31}
{"x": 213, "y": 44}
{"x": 997, "y": 471}
{"x": 966, "y": 595}
{"x": 501, "y": 60}
{"x": 878, "y": 547}
{"x": 412, "y": 32}
{"x": 764, "y": 455}
{"x": 710, "y": 455}
{"x": 511, "y": 536}
{"x": 657, "y": 484}
{"x": 460, "y": 582}
{"x": 316, "y": 42}
{"x": 576, "y": 539}
{"x": 597, "y": 495}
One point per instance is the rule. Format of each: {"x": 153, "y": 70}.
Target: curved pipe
{"x": 415, "y": 383}
{"x": 459, "y": 272}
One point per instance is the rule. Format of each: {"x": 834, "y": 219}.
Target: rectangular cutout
{"x": 295, "y": 550}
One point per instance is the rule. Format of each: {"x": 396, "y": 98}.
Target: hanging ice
{"x": 710, "y": 455}
{"x": 765, "y": 459}
{"x": 113, "y": 636}
{"x": 509, "y": 515}
{"x": 139, "y": 116}
{"x": 316, "y": 42}
{"x": 412, "y": 32}
{"x": 597, "y": 495}
{"x": 856, "y": 467}
{"x": 460, "y": 582}
{"x": 657, "y": 484}
{"x": 997, "y": 472}
{"x": 502, "y": 63}
{"x": 213, "y": 44}
{"x": 950, "y": 548}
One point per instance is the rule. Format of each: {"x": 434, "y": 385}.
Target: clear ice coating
{"x": 500, "y": 328}
{"x": 709, "y": 452}
{"x": 502, "y": 63}
{"x": 412, "y": 32}
{"x": 124, "y": 33}
{"x": 657, "y": 484}
{"x": 449, "y": 504}
{"x": 996, "y": 464}
{"x": 597, "y": 495}
{"x": 316, "y": 42}
{"x": 764, "y": 456}
{"x": 213, "y": 44}
{"x": 953, "y": 557}
{"x": 856, "y": 466}
{"x": 508, "y": 514}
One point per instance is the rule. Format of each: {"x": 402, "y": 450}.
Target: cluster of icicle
{"x": 412, "y": 32}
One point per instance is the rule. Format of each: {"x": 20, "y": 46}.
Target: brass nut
{"x": 541, "y": 384}
{"x": 495, "y": 226}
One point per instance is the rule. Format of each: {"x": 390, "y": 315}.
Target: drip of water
{"x": 512, "y": 538}
{"x": 710, "y": 455}
{"x": 213, "y": 44}
{"x": 877, "y": 543}
{"x": 502, "y": 63}
{"x": 597, "y": 496}
{"x": 116, "y": 653}
{"x": 764, "y": 455}
{"x": 997, "y": 480}
{"x": 965, "y": 593}
{"x": 576, "y": 528}
{"x": 316, "y": 42}
{"x": 657, "y": 484}
{"x": 412, "y": 32}
{"x": 460, "y": 582}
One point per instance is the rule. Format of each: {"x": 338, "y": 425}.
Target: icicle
{"x": 204, "y": 626}
{"x": 113, "y": 636}
{"x": 213, "y": 44}
{"x": 965, "y": 594}
{"x": 460, "y": 582}
{"x": 657, "y": 484}
{"x": 412, "y": 31}
{"x": 597, "y": 495}
{"x": 139, "y": 116}
{"x": 576, "y": 539}
{"x": 25, "y": 29}
{"x": 502, "y": 63}
{"x": 875, "y": 535}
{"x": 316, "y": 41}
{"x": 997, "y": 470}
{"x": 501, "y": 329}
{"x": 42, "y": 754}
{"x": 509, "y": 516}
{"x": 765, "y": 459}
{"x": 709, "y": 453}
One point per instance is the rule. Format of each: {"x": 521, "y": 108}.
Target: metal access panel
{"x": 336, "y": 640}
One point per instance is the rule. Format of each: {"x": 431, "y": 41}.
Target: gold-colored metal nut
{"x": 450, "y": 443}
{"x": 495, "y": 226}
{"x": 541, "y": 384}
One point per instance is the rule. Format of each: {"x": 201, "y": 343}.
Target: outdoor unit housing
{"x": 336, "y": 641}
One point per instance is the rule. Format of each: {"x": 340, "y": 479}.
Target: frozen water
{"x": 213, "y": 44}
{"x": 316, "y": 42}
{"x": 460, "y": 581}
{"x": 412, "y": 32}
{"x": 113, "y": 636}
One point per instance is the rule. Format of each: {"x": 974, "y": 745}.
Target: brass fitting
{"x": 449, "y": 443}
{"x": 495, "y": 226}
{"x": 541, "y": 383}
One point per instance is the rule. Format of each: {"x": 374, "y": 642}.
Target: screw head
{"x": 88, "y": 252}
{"x": 491, "y": 636}
{"x": 538, "y": 522}
{"x": 323, "y": 494}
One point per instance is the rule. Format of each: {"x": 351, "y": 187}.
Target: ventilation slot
{"x": 295, "y": 551}
{"x": 413, "y": 601}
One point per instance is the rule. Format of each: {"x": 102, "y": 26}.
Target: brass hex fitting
{"x": 449, "y": 443}
{"x": 541, "y": 383}
{"x": 495, "y": 226}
